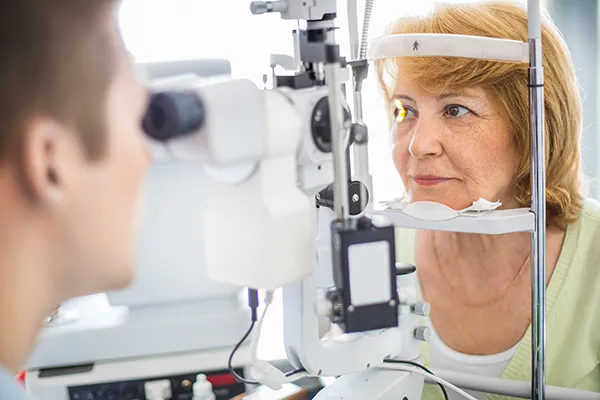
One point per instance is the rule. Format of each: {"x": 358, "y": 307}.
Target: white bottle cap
{"x": 203, "y": 389}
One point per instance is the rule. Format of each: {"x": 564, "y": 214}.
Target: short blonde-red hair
{"x": 506, "y": 83}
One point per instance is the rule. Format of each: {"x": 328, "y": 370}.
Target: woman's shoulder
{"x": 586, "y": 230}
{"x": 591, "y": 211}
{"x": 578, "y": 268}
{"x": 573, "y": 298}
{"x": 581, "y": 246}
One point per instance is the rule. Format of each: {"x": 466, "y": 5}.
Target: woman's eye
{"x": 401, "y": 112}
{"x": 456, "y": 111}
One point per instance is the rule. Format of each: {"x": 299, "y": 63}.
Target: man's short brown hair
{"x": 56, "y": 60}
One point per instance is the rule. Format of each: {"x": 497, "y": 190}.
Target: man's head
{"x": 72, "y": 153}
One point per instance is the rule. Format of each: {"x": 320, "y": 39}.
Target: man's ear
{"x": 48, "y": 151}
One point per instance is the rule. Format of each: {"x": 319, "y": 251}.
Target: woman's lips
{"x": 429, "y": 180}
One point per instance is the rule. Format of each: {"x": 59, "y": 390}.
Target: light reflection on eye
{"x": 400, "y": 110}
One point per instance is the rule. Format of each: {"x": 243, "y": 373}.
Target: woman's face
{"x": 452, "y": 148}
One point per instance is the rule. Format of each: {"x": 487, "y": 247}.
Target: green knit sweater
{"x": 572, "y": 310}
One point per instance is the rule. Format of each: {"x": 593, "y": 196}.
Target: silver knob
{"x": 263, "y": 7}
{"x": 422, "y": 308}
{"x": 258, "y": 7}
{"x": 422, "y": 333}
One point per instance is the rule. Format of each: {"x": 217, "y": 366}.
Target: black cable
{"x": 414, "y": 364}
{"x": 235, "y": 349}
{"x": 253, "y": 304}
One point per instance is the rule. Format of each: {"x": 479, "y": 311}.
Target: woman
{"x": 461, "y": 132}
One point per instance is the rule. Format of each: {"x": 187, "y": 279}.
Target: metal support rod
{"x": 505, "y": 387}
{"x": 352, "y": 11}
{"x": 538, "y": 205}
{"x": 340, "y": 159}
{"x": 361, "y": 153}
{"x": 360, "y": 150}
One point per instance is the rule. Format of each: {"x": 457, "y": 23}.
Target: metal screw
{"x": 318, "y": 115}
{"x": 186, "y": 383}
{"x": 359, "y": 137}
{"x": 392, "y": 303}
{"x": 355, "y": 198}
{"x": 318, "y": 196}
{"x": 351, "y": 308}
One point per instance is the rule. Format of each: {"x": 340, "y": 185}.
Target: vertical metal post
{"x": 359, "y": 52}
{"x": 538, "y": 203}
{"x": 361, "y": 152}
{"x": 331, "y": 70}
{"x": 340, "y": 159}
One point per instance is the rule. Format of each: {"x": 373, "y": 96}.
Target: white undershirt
{"x": 444, "y": 357}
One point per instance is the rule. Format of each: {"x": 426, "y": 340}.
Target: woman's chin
{"x": 449, "y": 201}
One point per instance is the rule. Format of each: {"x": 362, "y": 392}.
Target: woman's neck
{"x": 475, "y": 257}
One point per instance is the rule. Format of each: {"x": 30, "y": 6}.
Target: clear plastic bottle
{"x": 203, "y": 389}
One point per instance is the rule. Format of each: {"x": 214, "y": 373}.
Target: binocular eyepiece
{"x": 173, "y": 114}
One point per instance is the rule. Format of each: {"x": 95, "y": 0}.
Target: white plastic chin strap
{"x": 447, "y": 45}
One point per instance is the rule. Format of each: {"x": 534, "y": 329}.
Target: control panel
{"x": 224, "y": 386}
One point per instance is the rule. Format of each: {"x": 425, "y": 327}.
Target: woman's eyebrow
{"x": 401, "y": 96}
{"x": 442, "y": 96}
{"x": 468, "y": 94}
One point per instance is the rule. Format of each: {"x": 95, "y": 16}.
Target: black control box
{"x": 364, "y": 270}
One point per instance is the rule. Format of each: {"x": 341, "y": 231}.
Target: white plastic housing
{"x": 235, "y": 119}
{"x": 374, "y": 384}
{"x": 349, "y": 353}
{"x": 315, "y": 168}
{"x": 258, "y": 232}
{"x": 447, "y": 45}
{"x": 496, "y": 222}
{"x": 308, "y": 10}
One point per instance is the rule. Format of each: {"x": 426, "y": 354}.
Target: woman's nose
{"x": 425, "y": 141}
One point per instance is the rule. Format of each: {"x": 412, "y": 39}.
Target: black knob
{"x": 358, "y": 197}
{"x": 364, "y": 223}
{"x": 320, "y": 125}
{"x": 173, "y": 114}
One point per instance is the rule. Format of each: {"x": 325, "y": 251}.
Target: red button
{"x": 221, "y": 380}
